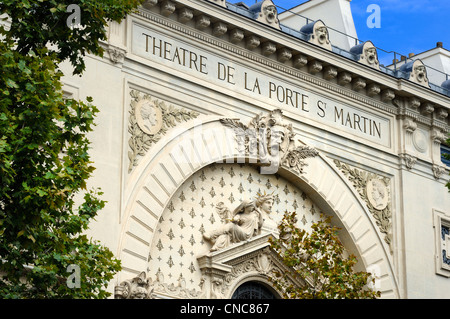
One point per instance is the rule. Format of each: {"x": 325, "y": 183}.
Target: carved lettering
{"x": 357, "y": 122}
{"x": 179, "y": 55}
{"x": 261, "y": 86}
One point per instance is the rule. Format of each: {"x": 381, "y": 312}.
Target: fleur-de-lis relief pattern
{"x": 188, "y": 220}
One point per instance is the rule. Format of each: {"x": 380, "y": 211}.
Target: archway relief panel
{"x": 187, "y": 178}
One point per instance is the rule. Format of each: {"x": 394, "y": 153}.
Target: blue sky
{"x": 406, "y": 25}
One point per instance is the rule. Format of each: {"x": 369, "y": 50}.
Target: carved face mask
{"x": 322, "y": 34}
{"x": 371, "y": 55}
{"x": 420, "y": 73}
{"x": 270, "y": 12}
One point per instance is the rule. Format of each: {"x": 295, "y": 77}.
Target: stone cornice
{"x": 273, "y": 64}
{"x": 379, "y": 89}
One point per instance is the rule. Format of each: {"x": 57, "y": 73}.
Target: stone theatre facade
{"x": 215, "y": 119}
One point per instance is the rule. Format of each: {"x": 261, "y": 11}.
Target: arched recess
{"x": 204, "y": 141}
{"x": 267, "y": 292}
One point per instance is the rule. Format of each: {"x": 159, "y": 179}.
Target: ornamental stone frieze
{"x": 224, "y": 270}
{"x": 141, "y": 287}
{"x": 271, "y": 141}
{"x": 375, "y": 191}
{"x": 244, "y": 222}
{"x": 149, "y": 120}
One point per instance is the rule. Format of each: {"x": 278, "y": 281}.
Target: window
{"x": 445, "y": 150}
{"x": 442, "y": 231}
{"x": 252, "y": 290}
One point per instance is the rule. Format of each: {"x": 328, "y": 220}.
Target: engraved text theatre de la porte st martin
{"x": 257, "y": 85}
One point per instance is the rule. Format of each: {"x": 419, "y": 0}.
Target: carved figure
{"x": 370, "y": 55}
{"x": 322, "y": 34}
{"x": 420, "y": 73}
{"x": 377, "y": 194}
{"x": 245, "y": 223}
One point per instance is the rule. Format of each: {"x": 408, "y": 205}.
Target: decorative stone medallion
{"x": 377, "y": 193}
{"x": 149, "y": 120}
{"x": 149, "y": 117}
{"x": 420, "y": 141}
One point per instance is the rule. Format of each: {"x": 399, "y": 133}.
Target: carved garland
{"x": 149, "y": 120}
{"x": 375, "y": 191}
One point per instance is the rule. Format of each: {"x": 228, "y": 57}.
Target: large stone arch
{"x": 204, "y": 141}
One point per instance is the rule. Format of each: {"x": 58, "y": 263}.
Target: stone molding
{"x": 141, "y": 287}
{"x": 408, "y": 160}
{"x": 225, "y": 270}
{"x": 373, "y": 89}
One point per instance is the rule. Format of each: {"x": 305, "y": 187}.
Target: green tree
{"x": 318, "y": 260}
{"x": 45, "y": 206}
{"x": 36, "y": 24}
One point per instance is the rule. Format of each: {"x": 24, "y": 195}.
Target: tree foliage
{"x": 45, "y": 206}
{"x": 317, "y": 260}
{"x": 36, "y": 24}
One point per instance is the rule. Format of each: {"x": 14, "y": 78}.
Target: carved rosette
{"x": 272, "y": 141}
{"x": 149, "y": 120}
{"x": 375, "y": 191}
